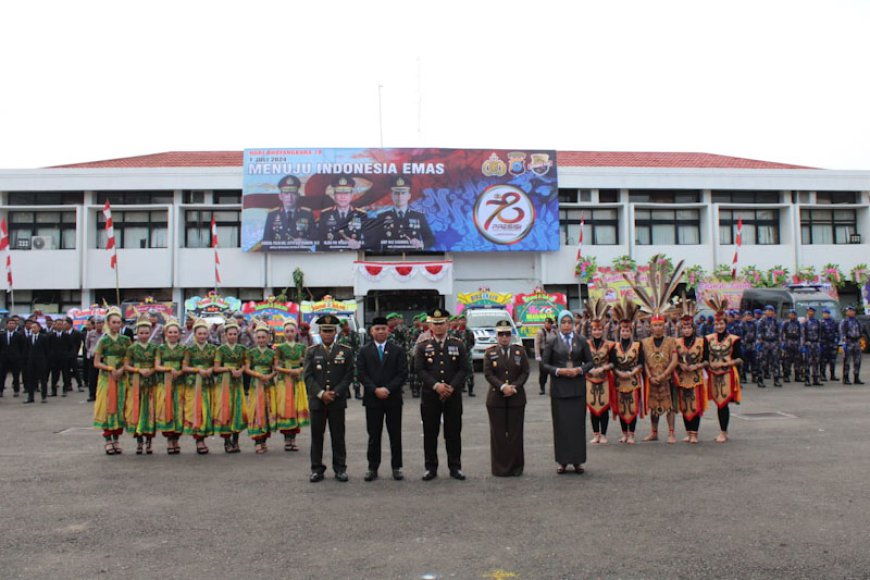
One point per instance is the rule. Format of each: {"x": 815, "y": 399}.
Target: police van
{"x": 796, "y": 297}
{"x": 481, "y": 322}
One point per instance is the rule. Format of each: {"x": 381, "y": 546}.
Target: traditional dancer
{"x": 600, "y": 386}
{"x": 627, "y": 359}
{"x": 139, "y": 363}
{"x": 228, "y": 406}
{"x": 723, "y": 383}
{"x": 290, "y": 403}
{"x": 111, "y": 382}
{"x": 199, "y": 366}
{"x": 258, "y": 365}
{"x": 693, "y": 355}
{"x": 169, "y": 386}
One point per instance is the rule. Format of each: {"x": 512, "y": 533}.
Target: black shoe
{"x": 29, "y": 400}
{"x": 430, "y": 475}
{"x": 398, "y": 475}
{"x": 315, "y": 477}
{"x": 341, "y": 476}
{"x": 63, "y": 394}
{"x": 816, "y": 383}
{"x": 823, "y": 377}
{"x": 857, "y": 380}
{"x": 761, "y": 385}
{"x": 91, "y": 399}
{"x": 517, "y": 472}
{"x": 776, "y": 383}
{"x": 542, "y": 393}
{"x": 834, "y": 377}
{"x": 415, "y": 395}
{"x": 457, "y": 474}
{"x": 43, "y": 400}
{"x": 81, "y": 390}
{"x": 471, "y": 395}
{"x": 15, "y": 396}
{"x": 370, "y": 475}
{"x": 53, "y": 394}
{"x": 846, "y": 380}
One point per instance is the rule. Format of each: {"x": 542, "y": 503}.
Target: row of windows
{"x": 149, "y": 229}
{"x": 219, "y": 197}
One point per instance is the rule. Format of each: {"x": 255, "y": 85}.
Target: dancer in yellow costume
{"x": 228, "y": 407}
{"x": 258, "y": 365}
{"x": 198, "y": 386}
{"x": 139, "y": 363}
{"x": 169, "y": 385}
{"x": 290, "y": 404}
{"x": 111, "y": 382}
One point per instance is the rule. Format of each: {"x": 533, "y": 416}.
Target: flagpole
{"x": 117, "y": 281}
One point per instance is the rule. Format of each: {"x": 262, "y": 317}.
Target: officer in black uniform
{"x": 289, "y": 226}
{"x": 441, "y": 362}
{"x": 343, "y": 227}
{"x": 400, "y": 228}
{"x": 11, "y": 354}
{"x": 328, "y": 371}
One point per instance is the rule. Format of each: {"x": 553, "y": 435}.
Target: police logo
{"x": 516, "y": 163}
{"x": 493, "y": 167}
{"x": 540, "y": 163}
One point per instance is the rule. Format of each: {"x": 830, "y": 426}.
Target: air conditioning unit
{"x": 41, "y": 243}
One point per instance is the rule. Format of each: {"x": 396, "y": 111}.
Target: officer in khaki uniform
{"x": 441, "y": 362}
{"x": 328, "y": 372}
{"x": 506, "y": 369}
{"x": 289, "y": 226}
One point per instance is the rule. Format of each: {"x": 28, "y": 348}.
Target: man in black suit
{"x": 35, "y": 360}
{"x": 328, "y": 370}
{"x": 383, "y": 370}
{"x": 440, "y": 363}
{"x": 73, "y": 344}
{"x": 11, "y": 355}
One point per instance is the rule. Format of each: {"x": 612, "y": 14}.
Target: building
{"x": 683, "y": 204}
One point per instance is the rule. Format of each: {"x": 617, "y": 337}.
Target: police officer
{"x": 343, "y": 227}
{"x": 750, "y": 360}
{"x": 289, "y": 226}
{"x": 735, "y": 327}
{"x": 401, "y": 228}
{"x": 811, "y": 336}
{"x": 328, "y": 370}
{"x": 768, "y": 332}
{"x": 850, "y": 335}
{"x": 829, "y": 345}
{"x": 791, "y": 347}
{"x": 506, "y": 369}
{"x": 467, "y": 338}
{"x": 441, "y": 362}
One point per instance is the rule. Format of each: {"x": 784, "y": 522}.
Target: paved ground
{"x": 786, "y": 498}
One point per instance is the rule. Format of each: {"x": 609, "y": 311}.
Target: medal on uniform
{"x": 494, "y": 364}
{"x": 429, "y": 360}
{"x": 318, "y": 367}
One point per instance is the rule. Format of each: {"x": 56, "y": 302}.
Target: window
{"x": 608, "y": 195}
{"x": 228, "y": 197}
{"x": 135, "y": 229}
{"x": 197, "y": 228}
{"x": 45, "y": 197}
{"x": 49, "y": 301}
{"x": 664, "y": 196}
{"x": 135, "y": 197}
{"x": 193, "y": 197}
{"x": 600, "y": 228}
{"x": 571, "y": 292}
{"x": 746, "y": 197}
{"x": 760, "y": 227}
{"x": 575, "y": 195}
{"x": 828, "y": 226}
{"x": 60, "y": 226}
{"x": 834, "y": 197}
{"x": 667, "y": 227}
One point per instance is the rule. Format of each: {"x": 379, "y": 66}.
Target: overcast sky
{"x": 781, "y": 81}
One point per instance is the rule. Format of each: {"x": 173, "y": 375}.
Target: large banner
{"x": 274, "y": 312}
{"x": 531, "y": 310}
{"x": 612, "y": 287}
{"x": 400, "y": 200}
{"x": 311, "y": 310}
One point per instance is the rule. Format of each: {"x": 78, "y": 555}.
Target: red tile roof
{"x": 566, "y": 159}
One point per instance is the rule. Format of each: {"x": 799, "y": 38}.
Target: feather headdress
{"x": 627, "y": 311}
{"x": 686, "y": 307}
{"x": 662, "y": 285}
{"x": 717, "y": 303}
{"x": 596, "y": 311}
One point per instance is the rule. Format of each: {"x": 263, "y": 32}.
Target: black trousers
{"x": 91, "y": 374}
{"x": 599, "y": 424}
{"x": 73, "y": 363}
{"x": 334, "y": 417}
{"x": 377, "y": 414}
{"x": 10, "y": 366}
{"x": 542, "y": 379}
{"x": 431, "y": 411}
{"x": 692, "y": 425}
{"x": 60, "y": 368}
{"x": 35, "y": 373}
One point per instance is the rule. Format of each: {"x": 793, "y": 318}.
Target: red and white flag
{"x": 217, "y": 258}
{"x": 738, "y": 243}
{"x": 4, "y": 247}
{"x": 110, "y": 235}
{"x": 580, "y": 240}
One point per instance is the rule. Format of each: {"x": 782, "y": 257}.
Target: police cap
{"x": 327, "y": 322}
{"x": 400, "y": 183}
{"x": 503, "y": 326}
{"x": 289, "y": 184}
{"x": 343, "y": 184}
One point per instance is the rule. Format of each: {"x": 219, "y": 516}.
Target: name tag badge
{"x": 453, "y": 350}
{"x": 517, "y": 360}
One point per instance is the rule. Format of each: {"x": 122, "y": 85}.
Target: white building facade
{"x": 684, "y": 205}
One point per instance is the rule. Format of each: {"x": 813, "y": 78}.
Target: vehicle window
{"x": 484, "y": 319}
{"x": 819, "y": 305}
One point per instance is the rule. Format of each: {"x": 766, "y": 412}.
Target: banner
{"x": 212, "y": 306}
{"x": 530, "y": 310}
{"x": 400, "y": 200}
{"x": 311, "y": 311}
{"x": 732, "y": 291}
{"x": 484, "y": 298}
{"x": 132, "y": 311}
{"x": 610, "y": 286}
{"x": 273, "y": 312}
{"x": 80, "y": 315}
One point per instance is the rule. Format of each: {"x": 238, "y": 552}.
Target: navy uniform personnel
{"x": 767, "y": 331}
{"x": 850, "y": 337}
{"x": 750, "y": 358}
{"x": 829, "y": 345}
{"x": 342, "y": 227}
{"x": 735, "y": 327}
{"x": 401, "y": 228}
{"x": 506, "y": 369}
{"x": 328, "y": 370}
{"x": 289, "y": 226}
{"x": 811, "y": 336}
{"x": 441, "y": 362}
{"x": 791, "y": 347}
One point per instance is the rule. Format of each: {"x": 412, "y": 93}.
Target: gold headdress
{"x": 662, "y": 286}
{"x": 143, "y": 321}
{"x": 171, "y": 321}
{"x": 262, "y": 325}
{"x": 114, "y": 311}
{"x": 199, "y": 323}
{"x": 289, "y": 322}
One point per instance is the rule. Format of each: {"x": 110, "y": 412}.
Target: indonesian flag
{"x": 739, "y": 242}
{"x": 4, "y": 247}
{"x": 110, "y": 235}
{"x": 217, "y": 258}
{"x": 580, "y": 240}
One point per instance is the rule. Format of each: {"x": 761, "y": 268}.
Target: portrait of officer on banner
{"x": 342, "y": 227}
{"x": 289, "y": 226}
{"x": 400, "y": 228}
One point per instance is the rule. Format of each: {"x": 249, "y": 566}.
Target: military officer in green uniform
{"x": 351, "y": 339}
{"x": 441, "y": 362}
{"x": 397, "y": 331}
{"x": 289, "y": 226}
{"x": 343, "y": 227}
{"x": 413, "y": 334}
{"x": 328, "y": 371}
{"x": 400, "y": 228}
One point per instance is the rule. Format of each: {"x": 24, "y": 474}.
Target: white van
{"x": 481, "y": 322}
